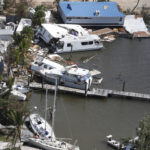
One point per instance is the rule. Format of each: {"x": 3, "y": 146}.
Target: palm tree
{"x": 22, "y": 42}
{"x": 18, "y": 119}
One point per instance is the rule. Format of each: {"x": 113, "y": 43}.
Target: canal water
{"x": 90, "y": 120}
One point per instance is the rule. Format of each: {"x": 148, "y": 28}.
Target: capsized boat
{"x": 68, "y": 38}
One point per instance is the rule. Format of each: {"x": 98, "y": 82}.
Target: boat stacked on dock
{"x": 70, "y": 76}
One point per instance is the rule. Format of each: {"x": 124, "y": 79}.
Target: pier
{"x": 95, "y": 92}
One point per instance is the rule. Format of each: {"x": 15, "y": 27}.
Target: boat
{"x": 70, "y": 76}
{"x": 3, "y": 89}
{"x": 68, "y": 38}
{"x": 41, "y": 127}
{"x": 115, "y": 144}
{"x": 20, "y": 88}
{"x": 18, "y": 95}
{"x": 53, "y": 143}
{"x": 50, "y": 144}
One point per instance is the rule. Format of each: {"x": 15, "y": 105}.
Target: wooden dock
{"x": 95, "y": 92}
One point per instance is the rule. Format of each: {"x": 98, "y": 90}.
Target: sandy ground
{"x": 124, "y": 4}
{"x": 130, "y": 4}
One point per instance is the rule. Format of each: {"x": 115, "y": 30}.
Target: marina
{"x": 101, "y": 79}
{"x": 113, "y": 114}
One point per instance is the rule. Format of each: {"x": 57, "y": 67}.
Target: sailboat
{"x": 52, "y": 143}
{"x": 40, "y": 126}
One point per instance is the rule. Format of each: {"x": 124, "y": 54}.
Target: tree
{"x": 22, "y": 42}
{"x": 143, "y": 133}
{"x": 13, "y": 114}
{"x": 40, "y": 7}
{"x": 21, "y": 10}
{"x": 28, "y": 33}
{"x": 8, "y": 3}
{"x": 18, "y": 119}
{"x": 39, "y": 15}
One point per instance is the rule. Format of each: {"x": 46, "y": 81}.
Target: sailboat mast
{"x": 54, "y": 105}
{"x": 45, "y": 108}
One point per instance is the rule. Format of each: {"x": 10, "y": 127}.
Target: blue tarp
{"x": 88, "y": 9}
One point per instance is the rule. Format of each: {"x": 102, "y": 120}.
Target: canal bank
{"x": 89, "y": 120}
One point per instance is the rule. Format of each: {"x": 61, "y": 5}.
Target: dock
{"x": 95, "y": 92}
{"x": 104, "y": 31}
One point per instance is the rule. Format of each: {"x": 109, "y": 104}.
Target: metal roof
{"x": 90, "y": 9}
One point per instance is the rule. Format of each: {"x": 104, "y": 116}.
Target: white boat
{"x": 52, "y": 143}
{"x": 68, "y": 38}
{"x": 114, "y": 143}
{"x": 41, "y": 127}
{"x": 18, "y": 95}
{"x": 20, "y": 88}
{"x": 70, "y": 76}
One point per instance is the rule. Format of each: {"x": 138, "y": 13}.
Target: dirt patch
{"x": 129, "y": 5}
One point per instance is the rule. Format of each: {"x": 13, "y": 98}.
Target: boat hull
{"x": 78, "y": 50}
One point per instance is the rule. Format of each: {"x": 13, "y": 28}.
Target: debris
{"x": 18, "y": 95}
{"x": 88, "y": 59}
{"x": 135, "y": 25}
{"x": 97, "y": 81}
{"x": 102, "y": 31}
{"x": 95, "y": 72}
{"x": 109, "y": 38}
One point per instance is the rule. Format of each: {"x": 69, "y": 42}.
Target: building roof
{"x": 90, "y": 9}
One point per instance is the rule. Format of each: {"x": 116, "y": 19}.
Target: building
{"x": 91, "y": 13}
